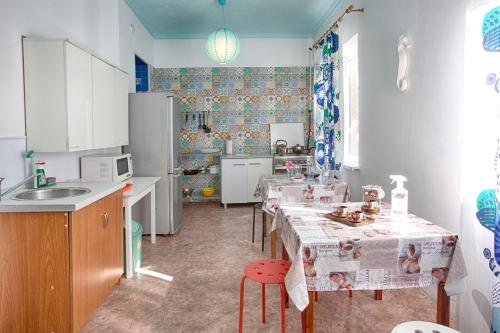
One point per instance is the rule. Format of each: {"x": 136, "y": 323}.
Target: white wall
{"x": 136, "y": 41}
{"x": 254, "y": 53}
{"x": 101, "y": 27}
{"x": 91, "y": 24}
{"x": 417, "y": 133}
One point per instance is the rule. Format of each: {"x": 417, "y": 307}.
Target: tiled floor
{"x": 206, "y": 259}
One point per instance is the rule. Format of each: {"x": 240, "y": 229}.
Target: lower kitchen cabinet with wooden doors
{"x": 56, "y": 268}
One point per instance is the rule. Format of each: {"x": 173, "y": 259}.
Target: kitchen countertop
{"x": 97, "y": 191}
{"x": 225, "y": 156}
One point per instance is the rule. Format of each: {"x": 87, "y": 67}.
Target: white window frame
{"x": 349, "y": 54}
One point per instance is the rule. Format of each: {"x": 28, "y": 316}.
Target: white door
{"x": 103, "y": 106}
{"x": 234, "y": 181}
{"x": 79, "y": 98}
{"x": 121, "y": 108}
{"x": 257, "y": 167}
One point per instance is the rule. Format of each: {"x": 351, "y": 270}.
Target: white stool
{"x": 422, "y": 327}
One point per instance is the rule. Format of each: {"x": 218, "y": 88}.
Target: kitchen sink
{"x": 51, "y": 193}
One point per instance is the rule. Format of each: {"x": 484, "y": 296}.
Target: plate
{"x": 334, "y": 214}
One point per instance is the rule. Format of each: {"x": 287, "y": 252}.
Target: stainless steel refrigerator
{"x": 155, "y": 122}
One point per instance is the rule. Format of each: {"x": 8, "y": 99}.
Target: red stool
{"x": 268, "y": 271}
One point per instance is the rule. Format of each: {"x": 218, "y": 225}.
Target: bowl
{"x": 207, "y": 191}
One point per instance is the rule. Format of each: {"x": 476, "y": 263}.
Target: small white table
{"x": 142, "y": 186}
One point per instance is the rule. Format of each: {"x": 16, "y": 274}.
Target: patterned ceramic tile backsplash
{"x": 239, "y": 102}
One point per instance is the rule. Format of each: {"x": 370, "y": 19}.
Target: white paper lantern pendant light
{"x": 223, "y": 46}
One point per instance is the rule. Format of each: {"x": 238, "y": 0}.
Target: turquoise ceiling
{"x": 248, "y": 18}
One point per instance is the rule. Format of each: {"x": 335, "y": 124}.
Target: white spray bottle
{"x": 399, "y": 196}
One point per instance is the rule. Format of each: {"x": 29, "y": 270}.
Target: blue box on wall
{"x": 141, "y": 75}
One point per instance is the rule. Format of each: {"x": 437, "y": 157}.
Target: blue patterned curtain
{"x": 328, "y": 134}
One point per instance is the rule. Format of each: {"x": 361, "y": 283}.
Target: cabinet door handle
{"x": 254, "y": 163}
{"x": 105, "y": 220}
{"x": 239, "y": 164}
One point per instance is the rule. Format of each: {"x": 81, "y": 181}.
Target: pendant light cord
{"x": 224, "y": 16}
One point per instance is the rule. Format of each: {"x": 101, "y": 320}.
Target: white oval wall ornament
{"x": 403, "y": 45}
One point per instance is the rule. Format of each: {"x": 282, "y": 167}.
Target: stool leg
{"x": 253, "y": 225}
{"x": 350, "y": 293}
{"x": 242, "y": 291}
{"x": 316, "y": 296}
{"x": 263, "y": 303}
{"x": 283, "y": 328}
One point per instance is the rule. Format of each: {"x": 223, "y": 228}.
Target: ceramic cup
{"x": 342, "y": 211}
{"x": 356, "y": 242}
{"x": 357, "y": 216}
{"x": 372, "y": 204}
{"x": 347, "y": 248}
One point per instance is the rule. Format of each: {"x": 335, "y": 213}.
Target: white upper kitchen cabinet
{"x": 79, "y": 98}
{"x": 110, "y": 105}
{"x": 103, "y": 106}
{"x": 74, "y": 101}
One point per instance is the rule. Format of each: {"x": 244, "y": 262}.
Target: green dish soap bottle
{"x": 40, "y": 179}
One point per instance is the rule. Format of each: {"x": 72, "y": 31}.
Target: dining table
{"x": 277, "y": 190}
{"x": 384, "y": 252}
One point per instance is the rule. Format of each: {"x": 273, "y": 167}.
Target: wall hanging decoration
{"x": 223, "y": 46}
{"x": 403, "y": 46}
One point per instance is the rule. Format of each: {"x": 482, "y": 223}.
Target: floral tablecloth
{"x": 391, "y": 253}
{"x": 277, "y": 190}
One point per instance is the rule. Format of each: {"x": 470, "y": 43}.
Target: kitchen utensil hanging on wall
{"x": 205, "y": 126}
{"x": 204, "y": 122}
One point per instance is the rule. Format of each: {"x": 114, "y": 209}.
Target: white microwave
{"x": 106, "y": 168}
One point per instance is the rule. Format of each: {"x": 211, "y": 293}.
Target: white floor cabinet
{"x": 240, "y": 177}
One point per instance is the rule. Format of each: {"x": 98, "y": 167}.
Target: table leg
{"x": 284, "y": 256}
{"x": 443, "y": 306}
{"x": 377, "y": 295}
{"x": 152, "y": 197}
{"x": 309, "y": 316}
{"x": 129, "y": 264}
{"x": 273, "y": 244}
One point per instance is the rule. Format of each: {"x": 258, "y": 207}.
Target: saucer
{"x": 335, "y": 214}
{"x": 367, "y": 210}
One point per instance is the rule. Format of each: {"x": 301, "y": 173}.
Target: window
{"x": 351, "y": 102}
{"x": 141, "y": 75}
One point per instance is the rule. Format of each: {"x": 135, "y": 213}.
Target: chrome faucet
{"x": 15, "y": 187}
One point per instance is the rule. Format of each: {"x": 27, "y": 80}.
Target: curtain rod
{"x": 348, "y": 10}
